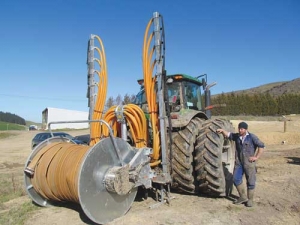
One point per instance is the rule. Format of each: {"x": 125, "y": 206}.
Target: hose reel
{"x": 103, "y": 178}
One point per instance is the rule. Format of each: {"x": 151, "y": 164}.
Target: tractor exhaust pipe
{"x": 208, "y": 99}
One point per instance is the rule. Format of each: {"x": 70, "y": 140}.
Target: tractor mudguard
{"x": 184, "y": 116}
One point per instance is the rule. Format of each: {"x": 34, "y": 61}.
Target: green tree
{"x": 118, "y": 100}
{"x": 11, "y": 118}
{"x": 128, "y": 99}
{"x": 110, "y": 102}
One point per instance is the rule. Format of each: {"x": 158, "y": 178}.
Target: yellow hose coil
{"x": 136, "y": 121}
{"x": 56, "y": 171}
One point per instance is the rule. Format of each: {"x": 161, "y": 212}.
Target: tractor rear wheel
{"x": 214, "y": 159}
{"x": 181, "y": 157}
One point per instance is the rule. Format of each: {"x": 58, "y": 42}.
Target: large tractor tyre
{"x": 214, "y": 159}
{"x": 181, "y": 157}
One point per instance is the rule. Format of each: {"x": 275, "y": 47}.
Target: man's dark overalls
{"x": 244, "y": 149}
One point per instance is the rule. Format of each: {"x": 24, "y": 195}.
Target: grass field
{"x": 11, "y": 187}
{"x": 11, "y": 126}
{"x": 6, "y": 135}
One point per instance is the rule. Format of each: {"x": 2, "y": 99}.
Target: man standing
{"x": 248, "y": 150}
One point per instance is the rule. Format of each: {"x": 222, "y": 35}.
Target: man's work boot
{"x": 243, "y": 198}
{"x": 250, "y": 197}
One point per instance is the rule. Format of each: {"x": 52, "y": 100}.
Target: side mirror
{"x": 169, "y": 80}
{"x": 204, "y": 83}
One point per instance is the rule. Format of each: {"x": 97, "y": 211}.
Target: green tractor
{"x": 199, "y": 159}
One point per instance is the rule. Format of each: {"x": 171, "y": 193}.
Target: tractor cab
{"x": 181, "y": 92}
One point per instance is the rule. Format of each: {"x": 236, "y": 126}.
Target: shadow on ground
{"x": 76, "y": 207}
{"x": 293, "y": 160}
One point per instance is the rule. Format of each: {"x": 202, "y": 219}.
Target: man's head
{"x": 243, "y": 127}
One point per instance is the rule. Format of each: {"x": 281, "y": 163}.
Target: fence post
{"x": 284, "y": 123}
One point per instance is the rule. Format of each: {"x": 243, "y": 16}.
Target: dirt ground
{"x": 277, "y": 197}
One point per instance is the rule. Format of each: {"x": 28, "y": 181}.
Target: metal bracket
{"x": 137, "y": 172}
{"x": 119, "y": 112}
{"x": 140, "y": 171}
{"x": 162, "y": 196}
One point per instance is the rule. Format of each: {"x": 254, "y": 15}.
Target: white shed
{"x": 55, "y": 115}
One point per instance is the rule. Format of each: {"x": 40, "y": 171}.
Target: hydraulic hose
{"x": 96, "y": 130}
{"x": 149, "y": 85}
{"x": 136, "y": 121}
{"x": 138, "y": 129}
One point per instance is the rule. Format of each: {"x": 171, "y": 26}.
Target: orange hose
{"x": 96, "y": 128}
{"x": 56, "y": 171}
{"x": 135, "y": 119}
{"x": 149, "y": 86}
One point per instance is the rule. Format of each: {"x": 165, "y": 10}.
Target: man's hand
{"x": 257, "y": 155}
{"x": 253, "y": 159}
{"x": 220, "y": 131}
{"x": 224, "y": 132}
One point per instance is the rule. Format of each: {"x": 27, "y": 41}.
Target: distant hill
{"x": 274, "y": 89}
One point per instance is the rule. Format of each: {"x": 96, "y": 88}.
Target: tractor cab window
{"x": 192, "y": 96}
{"x": 141, "y": 101}
{"x": 140, "y": 98}
{"x": 173, "y": 93}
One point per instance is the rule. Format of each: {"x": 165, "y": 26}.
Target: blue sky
{"x": 43, "y": 44}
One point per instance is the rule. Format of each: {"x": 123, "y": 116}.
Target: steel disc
{"x": 98, "y": 204}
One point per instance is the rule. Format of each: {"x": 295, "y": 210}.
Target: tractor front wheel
{"x": 214, "y": 159}
{"x": 181, "y": 156}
